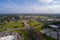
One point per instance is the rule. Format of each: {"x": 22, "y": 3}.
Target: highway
{"x": 28, "y": 29}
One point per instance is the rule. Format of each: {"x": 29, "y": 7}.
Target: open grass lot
{"x": 34, "y": 24}
{"x": 37, "y": 25}
{"x": 17, "y": 24}
{"x": 38, "y": 29}
{"x": 44, "y": 17}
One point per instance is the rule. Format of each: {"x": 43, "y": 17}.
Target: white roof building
{"x": 10, "y": 37}
{"x": 54, "y": 33}
{"x": 53, "y": 26}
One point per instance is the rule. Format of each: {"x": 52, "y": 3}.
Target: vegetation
{"x": 24, "y": 34}
{"x": 5, "y": 23}
{"x": 17, "y": 24}
{"x": 35, "y": 23}
{"x": 44, "y": 17}
{"x": 49, "y": 38}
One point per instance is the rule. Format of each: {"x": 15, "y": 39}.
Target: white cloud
{"x": 45, "y": 1}
{"x": 48, "y": 9}
{"x": 55, "y": 2}
{"x": 12, "y": 8}
{"x": 42, "y": 9}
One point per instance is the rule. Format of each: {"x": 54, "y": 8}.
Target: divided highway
{"x": 30, "y": 31}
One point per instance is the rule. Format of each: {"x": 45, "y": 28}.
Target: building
{"x": 10, "y": 36}
{"x": 52, "y": 31}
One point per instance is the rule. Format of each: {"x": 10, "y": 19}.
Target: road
{"x": 28, "y": 29}
{"x": 26, "y": 25}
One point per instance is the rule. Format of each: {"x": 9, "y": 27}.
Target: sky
{"x": 30, "y": 6}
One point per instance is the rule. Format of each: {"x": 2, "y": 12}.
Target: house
{"x": 50, "y": 19}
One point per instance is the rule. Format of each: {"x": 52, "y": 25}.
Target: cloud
{"x": 48, "y": 2}
{"x": 11, "y": 8}
{"x": 49, "y": 9}
{"x": 45, "y": 1}
{"x": 14, "y": 8}
{"x": 55, "y": 2}
{"x": 42, "y": 9}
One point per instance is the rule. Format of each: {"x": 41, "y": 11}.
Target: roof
{"x": 11, "y": 37}
{"x": 53, "y": 26}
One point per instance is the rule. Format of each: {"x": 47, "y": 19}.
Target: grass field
{"x": 38, "y": 25}
{"x": 17, "y": 24}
